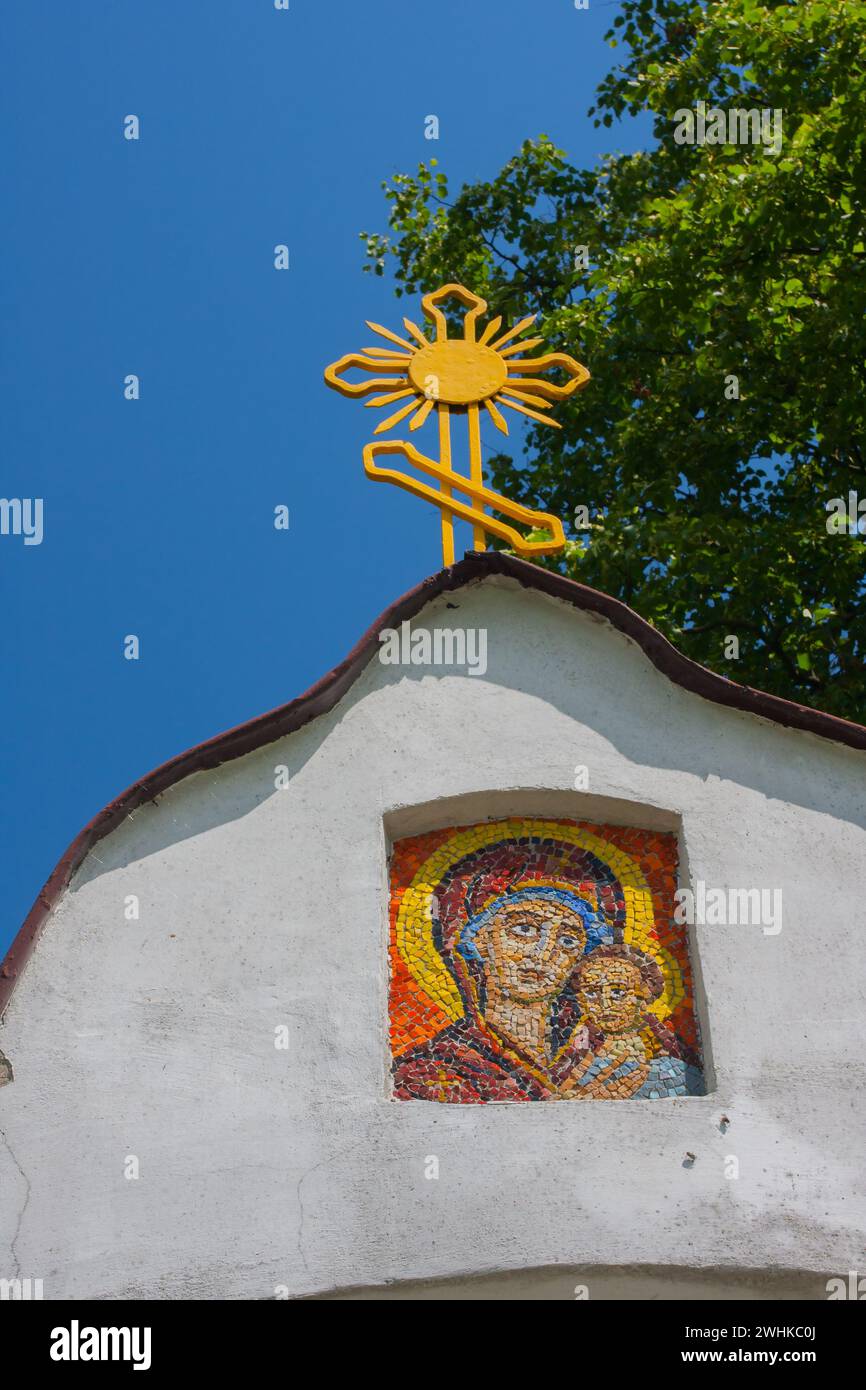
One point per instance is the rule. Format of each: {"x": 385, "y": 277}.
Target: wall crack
{"x": 14, "y": 1241}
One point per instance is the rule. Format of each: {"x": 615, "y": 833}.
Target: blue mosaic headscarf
{"x": 599, "y": 931}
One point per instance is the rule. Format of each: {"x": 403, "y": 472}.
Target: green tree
{"x": 707, "y": 513}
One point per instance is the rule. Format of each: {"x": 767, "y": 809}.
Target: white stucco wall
{"x": 262, "y": 1168}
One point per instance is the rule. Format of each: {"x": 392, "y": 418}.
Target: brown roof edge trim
{"x": 322, "y": 696}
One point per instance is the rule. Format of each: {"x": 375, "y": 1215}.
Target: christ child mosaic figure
{"x": 631, "y": 1053}
{"x": 517, "y": 971}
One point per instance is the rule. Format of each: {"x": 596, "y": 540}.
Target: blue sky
{"x": 155, "y": 257}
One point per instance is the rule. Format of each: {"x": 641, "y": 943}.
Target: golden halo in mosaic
{"x": 486, "y": 370}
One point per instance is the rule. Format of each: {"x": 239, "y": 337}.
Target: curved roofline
{"x": 322, "y": 696}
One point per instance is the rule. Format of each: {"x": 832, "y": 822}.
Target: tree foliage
{"x": 708, "y": 513}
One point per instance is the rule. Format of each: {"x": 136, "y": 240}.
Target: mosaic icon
{"x": 539, "y": 960}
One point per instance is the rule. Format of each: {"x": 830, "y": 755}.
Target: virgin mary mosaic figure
{"x": 502, "y": 935}
{"x": 513, "y": 962}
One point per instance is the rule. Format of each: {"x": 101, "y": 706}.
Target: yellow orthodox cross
{"x": 459, "y": 376}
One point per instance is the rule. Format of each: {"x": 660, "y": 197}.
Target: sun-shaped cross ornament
{"x": 459, "y": 376}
